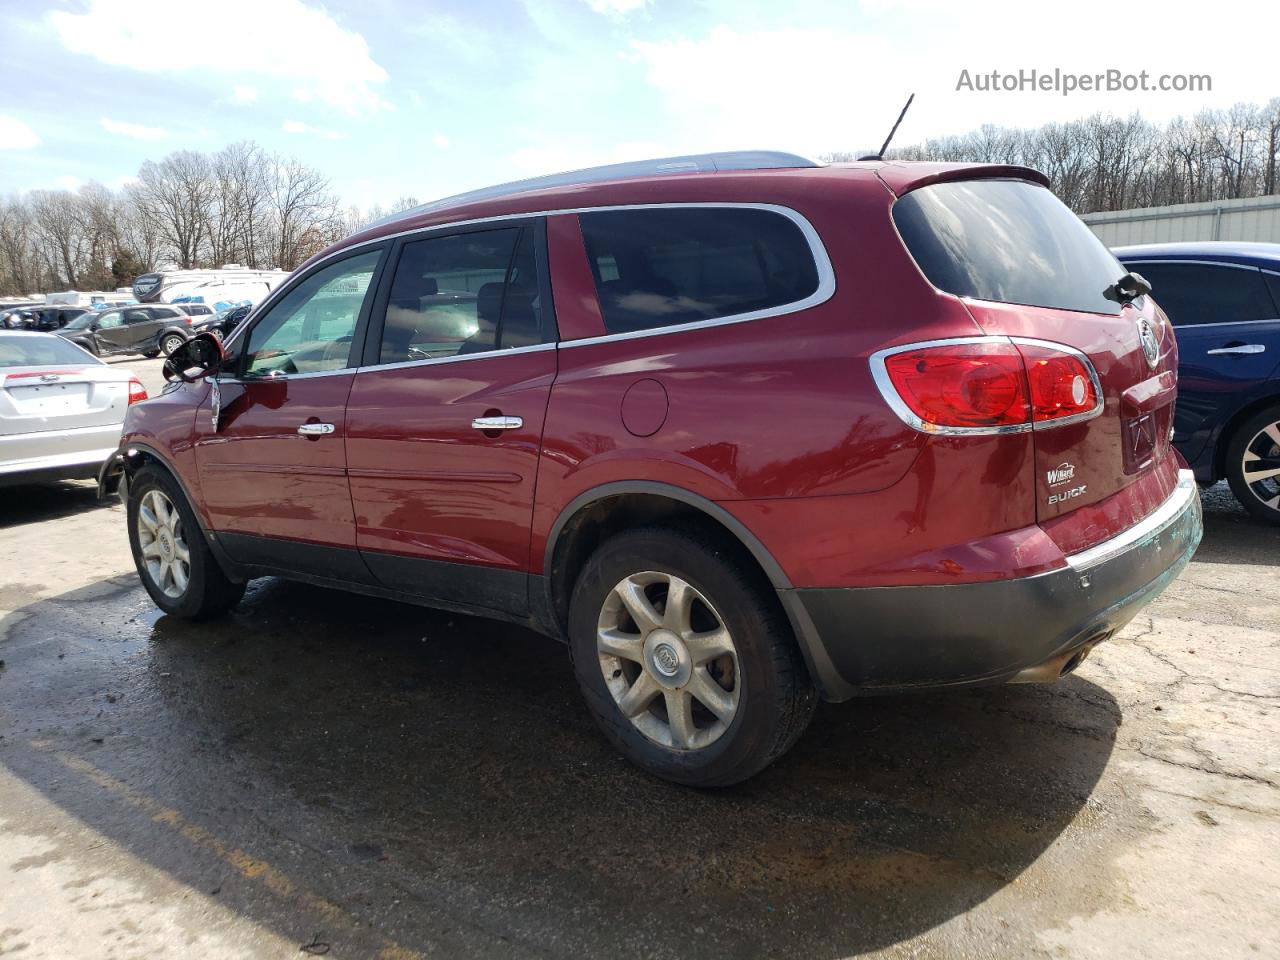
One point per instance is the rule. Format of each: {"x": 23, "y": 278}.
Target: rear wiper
{"x": 1128, "y": 288}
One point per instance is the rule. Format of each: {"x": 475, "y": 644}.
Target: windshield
{"x": 81, "y": 322}
{"x": 1008, "y": 241}
{"x": 17, "y": 350}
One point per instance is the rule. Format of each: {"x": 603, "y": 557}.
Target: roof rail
{"x": 693, "y": 163}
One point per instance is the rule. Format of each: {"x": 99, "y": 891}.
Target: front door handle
{"x": 497, "y": 423}
{"x": 1239, "y": 348}
{"x": 316, "y": 429}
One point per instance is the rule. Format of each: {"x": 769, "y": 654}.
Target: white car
{"x": 61, "y": 408}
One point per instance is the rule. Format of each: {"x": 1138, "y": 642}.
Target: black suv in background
{"x": 148, "y": 330}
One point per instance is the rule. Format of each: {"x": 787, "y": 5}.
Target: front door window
{"x": 311, "y": 329}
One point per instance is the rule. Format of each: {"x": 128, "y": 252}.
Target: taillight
{"x": 1063, "y": 385}
{"x": 985, "y": 385}
{"x": 137, "y": 391}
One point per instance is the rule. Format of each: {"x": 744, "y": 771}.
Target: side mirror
{"x": 93, "y": 326}
{"x": 199, "y": 357}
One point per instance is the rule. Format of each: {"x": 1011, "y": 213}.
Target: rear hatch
{"x": 1027, "y": 268}
{"x": 39, "y": 399}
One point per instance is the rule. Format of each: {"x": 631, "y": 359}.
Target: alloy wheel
{"x": 669, "y": 660}
{"x": 1261, "y": 465}
{"x": 165, "y": 553}
{"x": 171, "y": 344}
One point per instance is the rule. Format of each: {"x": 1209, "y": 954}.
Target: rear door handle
{"x": 316, "y": 429}
{"x": 497, "y": 423}
{"x": 1239, "y": 348}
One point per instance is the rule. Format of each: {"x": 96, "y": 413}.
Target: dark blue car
{"x": 1224, "y": 300}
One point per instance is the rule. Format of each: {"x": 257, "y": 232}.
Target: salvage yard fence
{"x": 1249, "y": 218}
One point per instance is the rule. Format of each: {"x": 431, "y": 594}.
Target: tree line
{"x": 262, "y": 210}
{"x": 1116, "y": 163}
{"x": 240, "y": 205}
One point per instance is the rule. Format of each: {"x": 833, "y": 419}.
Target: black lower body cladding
{"x": 867, "y": 640}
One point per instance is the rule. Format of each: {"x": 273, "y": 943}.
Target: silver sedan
{"x": 61, "y": 408}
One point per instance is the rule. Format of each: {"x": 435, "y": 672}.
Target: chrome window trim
{"x": 880, "y": 374}
{"x": 1201, "y": 263}
{"x": 457, "y": 358}
{"x": 1153, "y": 525}
{"x": 279, "y": 377}
{"x": 822, "y": 261}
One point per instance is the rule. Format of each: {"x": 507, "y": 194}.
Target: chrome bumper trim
{"x": 1183, "y": 496}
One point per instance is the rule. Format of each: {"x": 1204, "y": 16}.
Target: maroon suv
{"x": 744, "y": 431}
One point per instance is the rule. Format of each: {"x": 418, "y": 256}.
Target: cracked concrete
{"x": 396, "y": 783}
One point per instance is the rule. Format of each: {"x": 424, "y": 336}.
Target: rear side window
{"x": 1193, "y": 293}
{"x": 465, "y": 293}
{"x": 1007, "y": 241}
{"x": 659, "y": 267}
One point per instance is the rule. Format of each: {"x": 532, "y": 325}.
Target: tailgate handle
{"x": 1142, "y": 398}
{"x": 1236, "y": 349}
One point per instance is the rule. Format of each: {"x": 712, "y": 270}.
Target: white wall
{"x": 1253, "y": 218}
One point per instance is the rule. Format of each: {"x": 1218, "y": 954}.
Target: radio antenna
{"x": 889, "y": 138}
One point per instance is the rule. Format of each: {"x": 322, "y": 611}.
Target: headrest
{"x": 489, "y": 302}
{"x": 430, "y": 286}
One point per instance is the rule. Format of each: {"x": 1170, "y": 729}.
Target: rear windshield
{"x": 1008, "y": 241}
{"x": 27, "y": 351}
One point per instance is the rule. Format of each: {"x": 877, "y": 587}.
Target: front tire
{"x": 1253, "y": 464}
{"x": 171, "y": 342}
{"x": 685, "y": 658}
{"x": 171, "y": 555}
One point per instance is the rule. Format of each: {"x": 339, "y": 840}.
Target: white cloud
{"x": 134, "y": 131}
{"x": 241, "y": 93}
{"x": 297, "y": 126}
{"x": 284, "y": 41}
{"x": 67, "y": 182}
{"x": 816, "y": 89}
{"x": 441, "y": 141}
{"x": 16, "y": 135}
{"x": 615, "y": 8}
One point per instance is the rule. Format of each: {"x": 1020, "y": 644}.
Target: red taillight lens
{"x": 1061, "y": 385}
{"x": 989, "y": 385}
{"x": 137, "y": 391}
{"x": 966, "y": 385}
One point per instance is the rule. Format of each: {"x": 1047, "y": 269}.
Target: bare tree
{"x": 179, "y": 195}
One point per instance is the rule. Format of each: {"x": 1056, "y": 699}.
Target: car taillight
{"x": 187, "y": 318}
{"x": 137, "y": 391}
{"x": 1062, "y": 384}
{"x": 985, "y": 385}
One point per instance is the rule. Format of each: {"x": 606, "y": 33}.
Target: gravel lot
{"x": 325, "y": 769}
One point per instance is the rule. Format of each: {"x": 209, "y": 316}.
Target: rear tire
{"x": 1253, "y": 451}
{"x": 171, "y": 342}
{"x": 151, "y": 354}
{"x": 170, "y": 553}
{"x": 706, "y": 692}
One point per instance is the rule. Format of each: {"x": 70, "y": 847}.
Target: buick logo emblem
{"x": 1150, "y": 345}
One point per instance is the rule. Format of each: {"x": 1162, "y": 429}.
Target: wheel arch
{"x": 134, "y": 455}
{"x": 1228, "y": 431}
{"x": 598, "y": 513}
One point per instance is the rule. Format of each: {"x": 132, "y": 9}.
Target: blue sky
{"x": 428, "y": 98}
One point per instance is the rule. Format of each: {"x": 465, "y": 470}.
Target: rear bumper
{"x": 56, "y": 454}
{"x": 863, "y": 640}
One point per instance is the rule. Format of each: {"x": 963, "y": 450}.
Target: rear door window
{"x": 464, "y": 293}
{"x": 1194, "y": 293}
{"x": 673, "y": 265}
{"x": 1008, "y": 241}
